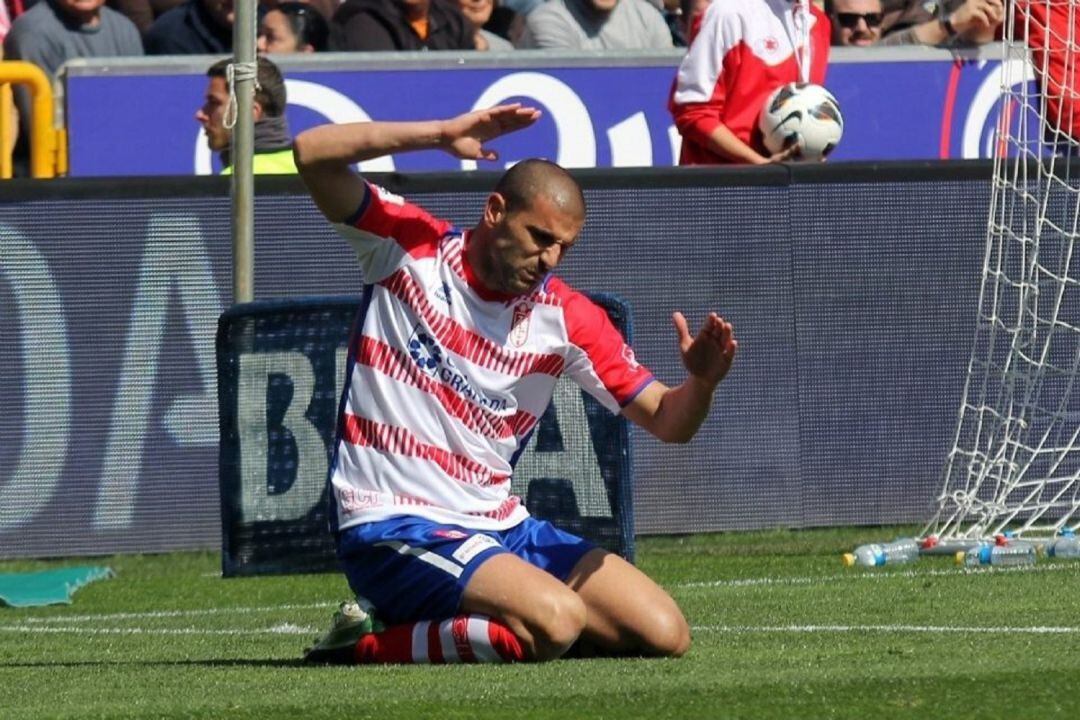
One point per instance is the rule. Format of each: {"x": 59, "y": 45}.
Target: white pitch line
{"x": 934, "y": 629}
{"x": 872, "y": 575}
{"x": 285, "y": 629}
{"x": 176, "y": 613}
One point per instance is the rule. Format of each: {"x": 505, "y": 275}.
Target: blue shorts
{"x": 414, "y": 569}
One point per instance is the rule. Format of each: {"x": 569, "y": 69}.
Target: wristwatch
{"x": 947, "y": 26}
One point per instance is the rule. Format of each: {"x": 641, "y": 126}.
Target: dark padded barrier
{"x": 280, "y": 366}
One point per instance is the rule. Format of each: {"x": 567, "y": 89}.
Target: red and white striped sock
{"x": 460, "y": 639}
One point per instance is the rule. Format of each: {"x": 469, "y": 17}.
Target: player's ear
{"x": 256, "y": 110}
{"x": 495, "y": 209}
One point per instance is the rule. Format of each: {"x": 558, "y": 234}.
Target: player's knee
{"x": 561, "y": 618}
{"x": 669, "y": 635}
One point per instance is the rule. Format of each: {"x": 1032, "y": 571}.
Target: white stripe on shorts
{"x": 447, "y": 566}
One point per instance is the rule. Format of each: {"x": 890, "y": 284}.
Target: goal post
{"x": 1014, "y": 464}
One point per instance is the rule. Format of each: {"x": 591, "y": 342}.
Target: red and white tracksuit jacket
{"x": 743, "y": 51}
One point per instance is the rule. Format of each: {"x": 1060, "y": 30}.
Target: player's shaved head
{"x": 521, "y": 184}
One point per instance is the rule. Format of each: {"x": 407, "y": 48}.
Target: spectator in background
{"x": 293, "y": 27}
{"x": 902, "y": 14}
{"x": 859, "y": 23}
{"x": 54, "y": 31}
{"x": 198, "y": 27}
{"x": 690, "y": 14}
{"x": 5, "y": 24}
{"x": 744, "y": 50}
{"x": 143, "y": 12}
{"x": 273, "y": 143}
{"x": 477, "y": 13}
{"x": 596, "y": 25}
{"x": 326, "y": 8}
{"x": 400, "y": 25}
{"x": 855, "y": 23}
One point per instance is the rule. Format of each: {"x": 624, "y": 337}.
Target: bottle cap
{"x": 848, "y": 559}
{"x": 959, "y": 557}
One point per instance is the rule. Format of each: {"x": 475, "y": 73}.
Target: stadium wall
{"x": 600, "y": 110}
{"x": 852, "y": 287}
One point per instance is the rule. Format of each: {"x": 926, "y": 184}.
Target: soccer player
{"x": 454, "y": 357}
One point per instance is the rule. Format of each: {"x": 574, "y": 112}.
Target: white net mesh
{"x": 1015, "y": 461}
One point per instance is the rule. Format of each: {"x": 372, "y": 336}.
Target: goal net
{"x": 1015, "y": 460}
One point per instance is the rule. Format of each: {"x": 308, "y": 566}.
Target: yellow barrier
{"x": 7, "y": 130}
{"x": 46, "y": 156}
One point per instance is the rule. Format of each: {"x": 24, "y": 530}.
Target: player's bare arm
{"x": 675, "y": 414}
{"x": 325, "y": 154}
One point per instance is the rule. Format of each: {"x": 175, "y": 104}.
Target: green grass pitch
{"x": 781, "y": 630}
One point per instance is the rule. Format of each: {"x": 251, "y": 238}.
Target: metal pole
{"x": 243, "y": 141}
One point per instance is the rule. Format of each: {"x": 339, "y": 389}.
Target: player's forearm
{"x": 682, "y": 410}
{"x": 355, "y": 142}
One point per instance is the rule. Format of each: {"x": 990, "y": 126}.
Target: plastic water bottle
{"x": 899, "y": 551}
{"x": 1067, "y": 546}
{"x": 1015, "y": 553}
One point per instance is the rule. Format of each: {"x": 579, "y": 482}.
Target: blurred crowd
{"x": 47, "y": 32}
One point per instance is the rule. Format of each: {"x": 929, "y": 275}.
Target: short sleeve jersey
{"x": 447, "y": 379}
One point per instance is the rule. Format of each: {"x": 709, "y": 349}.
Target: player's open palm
{"x": 709, "y": 355}
{"x": 466, "y": 135}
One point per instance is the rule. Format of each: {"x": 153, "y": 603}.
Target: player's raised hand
{"x": 465, "y": 135}
{"x": 708, "y": 356}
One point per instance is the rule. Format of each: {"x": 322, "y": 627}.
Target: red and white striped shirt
{"x": 447, "y": 379}
{"x": 743, "y": 51}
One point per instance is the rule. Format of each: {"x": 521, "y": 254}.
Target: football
{"x": 804, "y": 114}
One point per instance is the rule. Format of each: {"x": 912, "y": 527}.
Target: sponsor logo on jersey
{"x": 425, "y": 351}
{"x": 628, "y": 356}
{"x": 430, "y": 357}
{"x": 519, "y": 326}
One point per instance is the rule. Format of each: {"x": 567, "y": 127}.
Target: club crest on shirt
{"x": 519, "y": 325}
{"x": 768, "y": 45}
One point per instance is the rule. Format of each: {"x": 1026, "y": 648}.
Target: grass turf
{"x": 781, "y": 630}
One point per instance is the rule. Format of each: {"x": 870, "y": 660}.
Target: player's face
{"x": 211, "y": 115}
{"x": 529, "y": 243}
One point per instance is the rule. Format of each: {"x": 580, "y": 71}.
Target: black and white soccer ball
{"x": 804, "y": 114}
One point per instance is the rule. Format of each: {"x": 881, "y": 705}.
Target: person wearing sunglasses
{"x": 856, "y": 23}
{"x": 860, "y": 23}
